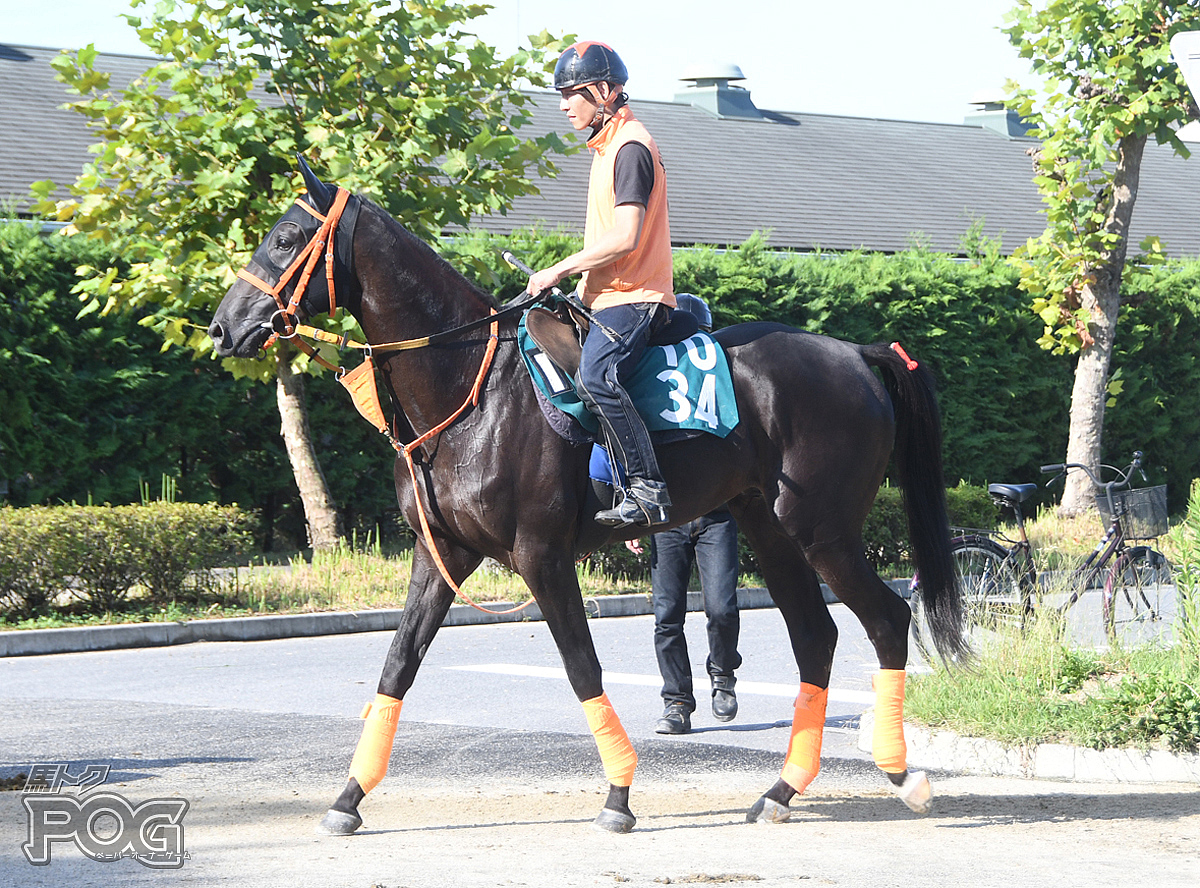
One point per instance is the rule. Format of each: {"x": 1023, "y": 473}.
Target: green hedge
{"x": 90, "y": 406}
{"x": 885, "y": 533}
{"x": 100, "y": 554}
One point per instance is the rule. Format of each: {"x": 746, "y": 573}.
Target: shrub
{"x": 97, "y": 555}
{"x": 101, "y": 554}
{"x": 28, "y": 573}
{"x": 618, "y": 563}
{"x": 178, "y": 544}
{"x": 885, "y": 533}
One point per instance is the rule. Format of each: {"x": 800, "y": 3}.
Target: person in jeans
{"x": 710, "y": 542}
{"x": 626, "y": 268}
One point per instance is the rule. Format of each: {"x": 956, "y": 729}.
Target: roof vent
{"x": 712, "y": 92}
{"x": 991, "y": 114}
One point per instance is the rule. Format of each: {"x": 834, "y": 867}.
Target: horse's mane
{"x": 439, "y": 268}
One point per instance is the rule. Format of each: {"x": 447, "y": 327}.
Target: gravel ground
{"x": 469, "y": 807}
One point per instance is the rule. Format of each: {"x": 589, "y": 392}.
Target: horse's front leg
{"x": 429, "y": 598}
{"x": 552, "y": 579}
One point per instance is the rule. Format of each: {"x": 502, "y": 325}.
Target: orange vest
{"x": 645, "y": 275}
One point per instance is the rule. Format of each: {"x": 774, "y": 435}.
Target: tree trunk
{"x": 320, "y": 513}
{"x": 1102, "y": 299}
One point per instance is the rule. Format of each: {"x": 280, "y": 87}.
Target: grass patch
{"x": 1063, "y": 543}
{"x": 349, "y": 579}
{"x": 135, "y": 610}
{"x": 1029, "y": 687}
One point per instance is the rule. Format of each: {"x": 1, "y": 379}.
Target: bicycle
{"x": 1001, "y": 584}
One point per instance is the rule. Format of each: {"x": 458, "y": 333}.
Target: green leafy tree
{"x": 1110, "y": 85}
{"x": 91, "y": 407}
{"x": 397, "y": 101}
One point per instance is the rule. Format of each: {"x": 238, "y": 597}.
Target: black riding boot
{"x": 645, "y": 504}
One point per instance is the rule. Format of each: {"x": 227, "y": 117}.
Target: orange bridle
{"x": 324, "y": 238}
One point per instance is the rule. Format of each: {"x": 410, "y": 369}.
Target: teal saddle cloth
{"x": 684, "y": 387}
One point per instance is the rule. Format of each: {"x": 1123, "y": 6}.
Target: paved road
{"x": 505, "y": 676}
{"x": 495, "y": 778}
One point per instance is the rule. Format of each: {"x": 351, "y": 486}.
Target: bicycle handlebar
{"x": 1121, "y": 481}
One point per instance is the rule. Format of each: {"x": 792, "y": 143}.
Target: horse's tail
{"x": 918, "y": 453}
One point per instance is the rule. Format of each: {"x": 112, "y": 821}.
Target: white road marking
{"x": 763, "y": 688}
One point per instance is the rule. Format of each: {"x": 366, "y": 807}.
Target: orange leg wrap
{"x": 804, "y": 748}
{"x": 616, "y": 752}
{"x": 888, "y": 740}
{"x": 374, "y": 749}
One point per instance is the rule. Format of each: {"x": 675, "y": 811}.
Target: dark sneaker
{"x": 675, "y": 720}
{"x": 724, "y": 701}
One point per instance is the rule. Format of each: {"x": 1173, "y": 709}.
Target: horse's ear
{"x": 320, "y": 194}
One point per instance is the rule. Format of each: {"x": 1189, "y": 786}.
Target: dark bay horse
{"x": 800, "y": 472}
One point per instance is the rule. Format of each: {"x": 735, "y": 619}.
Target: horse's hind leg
{"x": 885, "y": 617}
{"x": 796, "y": 590}
{"x": 429, "y": 599}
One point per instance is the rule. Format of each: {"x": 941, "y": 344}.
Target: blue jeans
{"x": 603, "y": 367}
{"x": 710, "y": 541}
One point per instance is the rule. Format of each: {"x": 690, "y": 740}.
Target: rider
{"x": 626, "y": 266}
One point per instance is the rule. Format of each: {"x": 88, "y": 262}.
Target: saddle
{"x": 682, "y": 385}
{"x": 559, "y": 332}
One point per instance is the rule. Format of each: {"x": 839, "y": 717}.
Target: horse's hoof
{"x": 916, "y": 792}
{"x": 767, "y": 810}
{"x": 338, "y": 823}
{"x": 614, "y": 821}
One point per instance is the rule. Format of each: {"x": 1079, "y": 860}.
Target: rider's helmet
{"x": 589, "y": 62}
{"x": 698, "y": 307}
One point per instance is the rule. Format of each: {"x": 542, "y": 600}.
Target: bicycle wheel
{"x": 991, "y": 591}
{"x": 1139, "y": 597}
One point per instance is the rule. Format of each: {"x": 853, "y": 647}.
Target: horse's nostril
{"x": 216, "y": 331}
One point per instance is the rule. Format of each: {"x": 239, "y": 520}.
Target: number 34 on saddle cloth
{"x": 681, "y": 387}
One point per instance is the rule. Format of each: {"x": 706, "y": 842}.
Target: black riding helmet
{"x": 589, "y": 62}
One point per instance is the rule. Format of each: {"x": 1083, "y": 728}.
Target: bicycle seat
{"x": 1016, "y": 493}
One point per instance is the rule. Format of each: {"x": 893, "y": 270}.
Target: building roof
{"x": 812, "y": 181}
{"x": 819, "y": 181}
{"x": 38, "y": 139}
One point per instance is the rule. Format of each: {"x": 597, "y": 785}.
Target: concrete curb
{"x": 947, "y": 751}
{"x": 28, "y": 642}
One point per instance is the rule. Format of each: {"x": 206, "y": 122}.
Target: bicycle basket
{"x": 1143, "y": 511}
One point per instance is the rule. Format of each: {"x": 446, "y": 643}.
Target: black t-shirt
{"x": 633, "y": 175}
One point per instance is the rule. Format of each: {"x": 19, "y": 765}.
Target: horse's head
{"x": 264, "y": 301}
